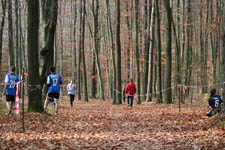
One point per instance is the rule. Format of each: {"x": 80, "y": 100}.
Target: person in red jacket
{"x": 130, "y": 91}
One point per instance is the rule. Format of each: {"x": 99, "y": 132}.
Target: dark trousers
{"x": 124, "y": 99}
{"x": 71, "y": 99}
{"x": 130, "y": 100}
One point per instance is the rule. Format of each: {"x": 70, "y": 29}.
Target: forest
{"x": 172, "y": 50}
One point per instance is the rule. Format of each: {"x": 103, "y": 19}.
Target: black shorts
{"x": 10, "y": 98}
{"x": 53, "y": 95}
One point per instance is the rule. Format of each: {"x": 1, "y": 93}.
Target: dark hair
{"x": 52, "y": 69}
{"x": 13, "y": 69}
{"x": 212, "y": 92}
{"x": 131, "y": 80}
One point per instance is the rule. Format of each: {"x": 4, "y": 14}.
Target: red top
{"x": 130, "y": 89}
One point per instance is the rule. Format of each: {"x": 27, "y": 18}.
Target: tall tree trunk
{"x": 202, "y": 56}
{"x": 2, "y": 24}
{"x": 223, "y": 53}
{"x": 159, "y": 94}
{"x": 168, "y": 73}
{"x": 112, "y": 49}
{"x": 83, "y": 54}
{"x": 189, "y": 45}
{"x": 23, "y": 61}
{"x": 176, "y": 29}
{"x": 183, "y": 33}
{"x": 95, "y": 12}
{"x": 49, "y": 11}
{"x": 80, "y": 53}
{"x": 214, "y": 48}
{"x": 17, "y": 35}
{"x": 151, "y": 54}
{"x": 130, "y": 33}
{"x": 74, "y": 44}
{"x": 118, "y": 48}
{"x": 93, "y": 69}
{"x": 10, "y": 35}
{"x": 137, "y": 51}
{"x": 34, "y": 96}
{"x": 146, "y": 49}
{"x": 93, "y": 77}
{"x": 206, "y": 47}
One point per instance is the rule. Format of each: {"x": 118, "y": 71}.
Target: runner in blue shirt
{"x": 53, "y": 81}
{"x": 10, "y": 89}
{"x": 71, "y": 91}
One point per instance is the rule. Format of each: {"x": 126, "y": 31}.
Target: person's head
{"x": 71, "y": 81}
{"x": 52, "y": 69}
{"x": 13, "y": 69}
{"x": 213, "y": 92}
{"x": 131, "y": 80}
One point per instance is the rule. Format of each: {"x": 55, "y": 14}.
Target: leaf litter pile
{"x": 101, "y": 125}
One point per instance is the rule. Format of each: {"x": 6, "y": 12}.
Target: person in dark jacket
{"x": 214, "y": 102}
{"x": 130, "y": 92}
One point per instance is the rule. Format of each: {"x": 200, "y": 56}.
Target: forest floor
{"x": 99, "y": 125}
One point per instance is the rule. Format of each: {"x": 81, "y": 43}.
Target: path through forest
{"x": 100, "y": 125}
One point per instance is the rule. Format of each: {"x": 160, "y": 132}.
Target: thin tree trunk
{"x": 95, "y": 12}
{"x": 112, "y": 49}
{"x": 83, "y": 54}
{"x": 93, "y": 77}
{"x": 151, "y": 54}
{"x": 80, "y": 52}
{"x": 10, "y": 35}
{"x": 206, "y": 47}
{"x": 146, "y": 49}
{"x": 223, "y": 53}
{"x": 74, "y": 47}
{"x": 17, "y": 35}
{"x": 183, "y": 33}
{"x": 2, "y": 23}
{"x": 137, "y": 51}
{"x": 118, "y": 47}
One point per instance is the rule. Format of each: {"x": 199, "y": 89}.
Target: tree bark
{"x": 95, "y": 12}
{"x": 137, "y": 51}
{"x": 151, "y": 54}
{"x": 146, "y": 49}
{"x": 80, "y": 53}
{"x": 2, "y": 23}
{"x": 49, "y": 11}
{"x": 159, "y": 94}
{"x": 223, "y": 54}
{"x": 112, "y": 49}
{"x": 10, "y": 35}
{"x": 168, "y": 73}
{"x": 118, "y": 48}
{"x": 83, "y": 54}
{"x": 34, "y": 96}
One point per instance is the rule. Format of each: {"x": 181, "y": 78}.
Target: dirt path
{"x": 100, "y": 125}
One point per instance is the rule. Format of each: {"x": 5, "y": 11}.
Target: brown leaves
{"x": 100, "y": 125}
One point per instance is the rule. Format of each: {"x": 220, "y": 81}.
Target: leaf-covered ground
{"x": 101, "y": 125}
